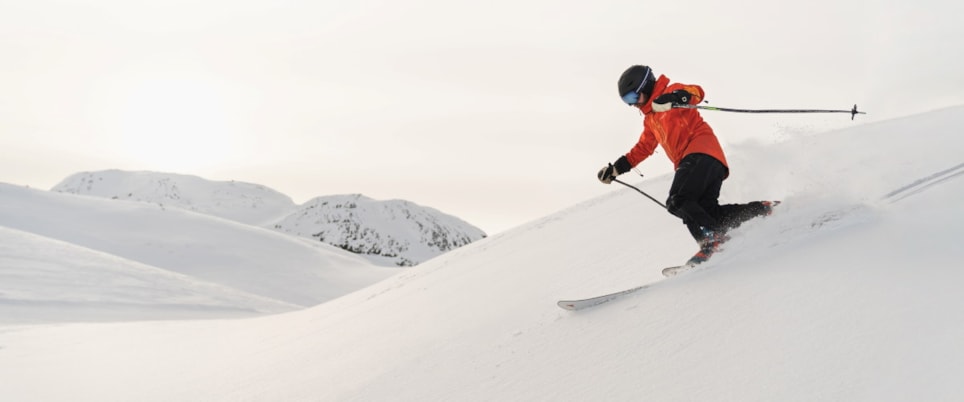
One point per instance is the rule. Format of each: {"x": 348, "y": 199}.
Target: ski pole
{"x": 853, "y": 112}
{"x": 640, "y": 191}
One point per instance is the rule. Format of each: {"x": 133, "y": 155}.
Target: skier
{"x": 696, "y": 154}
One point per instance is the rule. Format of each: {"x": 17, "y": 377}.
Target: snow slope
{"x": 42, "y": 279}
{"x": 250, "y": 259}
{"x": 850, "y": 292}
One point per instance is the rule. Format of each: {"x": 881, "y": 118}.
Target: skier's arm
{"x": 643, "y": 148}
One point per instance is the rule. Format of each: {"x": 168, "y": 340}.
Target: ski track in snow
{"x": 924, "y": 183}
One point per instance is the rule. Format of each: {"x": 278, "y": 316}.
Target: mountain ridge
{"x": 387, "y": 233}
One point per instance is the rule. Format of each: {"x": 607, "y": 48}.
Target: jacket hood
{"x": 661, "y": 83}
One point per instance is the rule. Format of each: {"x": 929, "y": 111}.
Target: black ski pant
{"x": 694, "y": 197}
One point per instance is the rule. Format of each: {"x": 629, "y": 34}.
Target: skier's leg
{"x": 711, "y": 201}
{"x": 697, "y": 174}
{"x": 733, "y": 215}
{"x": 693, "y": 197}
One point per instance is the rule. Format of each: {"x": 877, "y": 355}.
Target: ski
{"x": 580, "y": 304}
{"x": 573, "y": 305}
{"x": 673, "y": 271}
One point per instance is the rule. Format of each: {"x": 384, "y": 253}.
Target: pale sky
{"x": 499, "y": 112}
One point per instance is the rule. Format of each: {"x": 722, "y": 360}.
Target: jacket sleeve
{"x": 643, "y": 148}
{"x": 694, "y": 90}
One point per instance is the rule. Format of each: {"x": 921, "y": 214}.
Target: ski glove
{"x": 608, "y": 173}
{"x": 665, "y": 101}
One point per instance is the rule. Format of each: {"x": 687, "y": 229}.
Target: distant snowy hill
{"x": 398, "y": 231}
{"x": 390, "y": 233}
{"x": 238, "y": 201}
{"x": 172, "y": 246}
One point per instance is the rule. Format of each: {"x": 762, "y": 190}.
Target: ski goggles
{"x": 632, "y": 98}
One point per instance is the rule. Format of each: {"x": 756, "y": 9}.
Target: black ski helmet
{"x": 638, "y": 79}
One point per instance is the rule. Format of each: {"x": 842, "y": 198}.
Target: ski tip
{"x": 672, "y": 271}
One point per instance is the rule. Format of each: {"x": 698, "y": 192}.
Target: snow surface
{"x": 253, "y": 260}
{"x": 850, "y": 292}
{"x": 43, "y": 279}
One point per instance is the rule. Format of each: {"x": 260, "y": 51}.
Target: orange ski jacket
{"x": 680, "y": 132}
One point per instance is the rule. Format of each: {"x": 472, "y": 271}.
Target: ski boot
{"x": 768, "y": 207}
{"x": 709, "y": 245}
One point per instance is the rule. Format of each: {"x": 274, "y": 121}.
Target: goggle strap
{"x": 649, "y": 72}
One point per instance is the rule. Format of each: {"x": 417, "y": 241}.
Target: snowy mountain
{"x": 136, "y": 240}
{"x": 238, "y": 201}
{"x": 388, "y": 233}
{"x": 397, "y": 231}
{"x": 849, "y": 292}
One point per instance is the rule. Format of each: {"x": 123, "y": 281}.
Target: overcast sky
{"x": 499, "y": 112}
